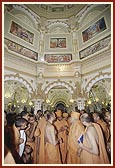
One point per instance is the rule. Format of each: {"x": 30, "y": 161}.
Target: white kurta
{"x": 22, "y": 145}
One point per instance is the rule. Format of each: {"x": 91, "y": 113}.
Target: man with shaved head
{"x": 92, "y": 150}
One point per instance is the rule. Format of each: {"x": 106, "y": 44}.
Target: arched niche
{"x": 99, "y": 95}
{"x": 90, "y": 13}
{"x": 95, "y": 79}
{"x": 19, "y": 79}
{"x": 60, "y": 105}
{"x": 59, "y": 83}
{"x": 25, "y": 15}
{"x": 59, "y": 91}
{"x": 58, "y": 27}
{"x": 17, "y": 93}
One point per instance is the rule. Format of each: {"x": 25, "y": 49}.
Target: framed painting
{"x": 94, "y": 29}
{"x": 57, "y": 42}
{"x": 57, "y": 58}
{"x": 21, "y": 32}
{"x": 21, "y": 50}
{"x": 95, "y": 47}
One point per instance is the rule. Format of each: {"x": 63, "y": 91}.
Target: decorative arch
{"x": 58, "y": 83}
{"x": 90, "y": 9}
{"x": 21, "y": 80}
{"x": 63, "y": 101}
{"x": 96, "y": 79}
{"x": 32, "y": 17}
{"x": 60, "y": 103}
{"x": 58, "y": 27}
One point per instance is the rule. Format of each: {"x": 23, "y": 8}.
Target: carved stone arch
{"x": 58, "y": 83}
{"x": 60, "y": 102}
{"x": 26, "y": 19}
{"x": 21, "y": 80}
{"x": 90, "y": 12}
{"x": 58, "y": 27}
{"x": 96, "y": 79}
{"x": 25, "y": 12}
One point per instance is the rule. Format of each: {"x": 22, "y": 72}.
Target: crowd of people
{"x": 57, "y": 137}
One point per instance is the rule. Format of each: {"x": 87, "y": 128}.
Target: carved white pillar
{"x": 41, "y": 42}
{"x": 74, "y": 40}
{"x": 81, "y": 103}
{"x": 37, "y": 105}
{"x": 45, "y": 106}
{"x": 41, "y": 45}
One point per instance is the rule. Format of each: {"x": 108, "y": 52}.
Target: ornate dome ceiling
{"x": 56, "y": 11}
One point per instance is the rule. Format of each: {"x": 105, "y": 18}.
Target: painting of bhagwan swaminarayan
{"x": 57, "y": 42}
{"x": 57, "y": 58}
{"x": 21, "y": 32}
{"x": 94, "y": 29}
{"x": 15, "y": 47}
